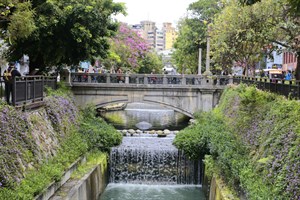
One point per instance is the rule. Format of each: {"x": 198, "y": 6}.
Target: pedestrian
{"x": 112, "y": 70}
{"x": 121, "y": 77}
{"x": 288, "y": 76}
{"x": 9, "y": 74}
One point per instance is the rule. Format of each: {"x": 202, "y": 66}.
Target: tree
{"x": 248, "y": 2}
{"x": 151, "y": 63}
{"x": 234, "y": 39}
{"x": 240, "y": 33}
{"x": 16, "y": 20}
{"x": 187, "y": 45}
{"x": 294, "y": 7}
{"x": 193, "y": 33}
{"x": 131, "y": 52}
{"x": 66, "y": 32}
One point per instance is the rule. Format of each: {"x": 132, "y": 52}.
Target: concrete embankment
{"x": 89, "y": 187}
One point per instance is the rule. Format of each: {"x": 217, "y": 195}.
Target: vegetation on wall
{"x": 253, "y": 142}
{"x": 25, "y": 166}
{"x": 14, "y": 144}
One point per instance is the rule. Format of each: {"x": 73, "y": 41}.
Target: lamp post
{"x": 200, "y": 61}
{"x": 207, "y": 66}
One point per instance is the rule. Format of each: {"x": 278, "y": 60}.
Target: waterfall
{"x": 152, "y": 160}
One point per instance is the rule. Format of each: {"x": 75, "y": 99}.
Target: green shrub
{"x": 97, "y": 133}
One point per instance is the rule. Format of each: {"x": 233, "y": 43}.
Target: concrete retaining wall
{"x": 89, "y": 187}
{"x": 216, "y": 189}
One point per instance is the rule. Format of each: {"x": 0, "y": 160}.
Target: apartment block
{"x": 159, "y": 40}
{"x": 170, "y": 35}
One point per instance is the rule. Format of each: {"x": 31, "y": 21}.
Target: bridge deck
{"x": 148, "y": 79}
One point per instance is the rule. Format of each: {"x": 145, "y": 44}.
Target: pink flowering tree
{"x": 128, "y": 50}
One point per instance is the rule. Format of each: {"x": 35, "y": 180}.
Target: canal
{"x": 148, "y": 167}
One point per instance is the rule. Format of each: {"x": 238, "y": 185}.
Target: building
{"x": 289, "y": 61}
{"x": 275, "y": 62}
{"x": 149, "y": 32}
{"x": 170, "y": 35}
{"x": 159, "y": 40}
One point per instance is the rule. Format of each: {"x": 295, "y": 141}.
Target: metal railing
{"x": 28, "y": 89}
{"x": 152, "y": 79}
{"x": 289, "y": 89}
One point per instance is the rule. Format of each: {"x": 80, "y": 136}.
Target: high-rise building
{"x": 149, "y": 32}
{"x": 170, "y": 35}
{"x": 157, "y": 39}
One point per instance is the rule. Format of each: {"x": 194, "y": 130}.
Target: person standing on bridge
{"x": 120, "y": 77}
{"x": 8, "y": 76}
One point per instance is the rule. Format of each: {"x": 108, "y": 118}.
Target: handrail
{"x": 152, "y": 79}
{"x": 28, "y": 89}
{"x": 282, "y": 87}
{"x": 289, "y": 89}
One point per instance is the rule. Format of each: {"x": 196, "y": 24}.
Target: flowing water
{"x": 148, "y": 167}
{"x": 152, "y": 160}
{"x": 152, "y": 192}
{"x": 159, "y": 117}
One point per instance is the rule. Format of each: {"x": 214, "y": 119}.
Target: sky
{"x": 158, "y": 11}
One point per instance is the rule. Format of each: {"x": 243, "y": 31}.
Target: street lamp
{"x": 207, "y": 66}
{"x": 200, "y": 61}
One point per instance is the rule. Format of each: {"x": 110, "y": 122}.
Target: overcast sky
{"x": 158, "y": 11}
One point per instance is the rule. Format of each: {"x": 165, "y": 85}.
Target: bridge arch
{"x": 172, "y": 107}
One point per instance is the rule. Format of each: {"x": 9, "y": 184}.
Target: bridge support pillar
{"x": 207, "y": 100}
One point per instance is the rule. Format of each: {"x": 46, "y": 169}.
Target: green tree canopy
{"x": 63, "y": 31}
{"x": 192, "y": 34}
{"x": 241, "y": 33}
{"x": 16, "y": 20}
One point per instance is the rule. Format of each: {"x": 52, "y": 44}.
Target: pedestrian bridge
{"x": 183, "y": 93}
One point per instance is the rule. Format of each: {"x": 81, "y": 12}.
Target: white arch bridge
{"x": 183, "y": 93}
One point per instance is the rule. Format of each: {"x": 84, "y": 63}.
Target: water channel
{"x": 159, "y": 117}
{"x": 148, "y": 167}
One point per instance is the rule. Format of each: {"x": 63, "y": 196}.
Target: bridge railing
{"x": 153, "y": 79}
{"x": 28, "y": 89}
{"x": 286, "y": 88}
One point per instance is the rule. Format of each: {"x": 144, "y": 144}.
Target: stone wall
{"x": 43, "y": 133}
